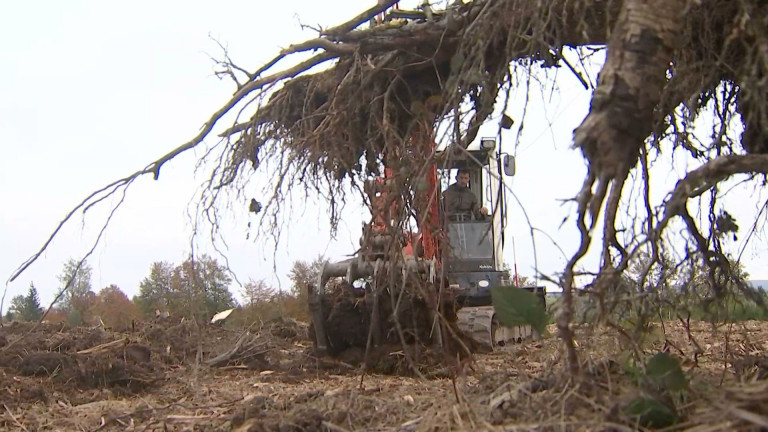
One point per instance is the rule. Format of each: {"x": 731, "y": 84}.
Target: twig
{"x": 332, "y": 427}
{"x": 576, "y": 73}
{"x": 175, "y": 418}
{"x": 748, "y": 416}
{"x": 105, "y": 346}
{"x": 348, "y": 26}
{"x": 13, "y": 417}
{"x": 74, "y": 274}
{"x": 155, "y": 410}
{"x": 703, "y": 178}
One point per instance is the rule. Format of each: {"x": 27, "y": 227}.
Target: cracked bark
{"x": 630, "y": 86}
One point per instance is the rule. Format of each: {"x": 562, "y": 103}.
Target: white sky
{"x": 91, "y": 91}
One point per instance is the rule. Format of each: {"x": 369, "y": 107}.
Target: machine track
{"x": 480, "y": 323}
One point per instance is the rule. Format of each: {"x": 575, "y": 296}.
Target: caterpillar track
{"x": 480, "y": 324}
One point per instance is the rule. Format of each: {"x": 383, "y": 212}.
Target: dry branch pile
{"x": 518, "y": 388}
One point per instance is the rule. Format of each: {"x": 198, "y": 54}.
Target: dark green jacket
{"x": 458, "y": 200}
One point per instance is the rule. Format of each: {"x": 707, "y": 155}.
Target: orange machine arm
{"x": 386, "y": 207}
{"x": 429, "y": 225}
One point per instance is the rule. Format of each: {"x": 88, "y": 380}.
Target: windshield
{"x": 470, "y": 240}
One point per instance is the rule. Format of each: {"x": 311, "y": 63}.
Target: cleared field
{"x": 60, "y": 378}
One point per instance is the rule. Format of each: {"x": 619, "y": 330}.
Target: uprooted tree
{"x": 326, "y": 131}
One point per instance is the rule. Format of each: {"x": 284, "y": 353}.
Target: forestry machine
{"x": 463, "y": 255}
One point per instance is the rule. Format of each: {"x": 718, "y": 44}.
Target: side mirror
{"x": 509, "y": 165}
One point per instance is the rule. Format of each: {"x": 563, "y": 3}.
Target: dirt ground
{"x": 161, "y": 376}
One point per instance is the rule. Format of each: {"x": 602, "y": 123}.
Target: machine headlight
{"x": 483, "y": 283}
{"x": 488, "y": 144}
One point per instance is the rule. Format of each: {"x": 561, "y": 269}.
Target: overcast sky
{"x": 91, "y": 91}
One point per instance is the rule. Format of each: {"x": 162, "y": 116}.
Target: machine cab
{"x": 473, "y": 252}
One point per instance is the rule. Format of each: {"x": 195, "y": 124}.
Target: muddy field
{"x": 180, "y": 376}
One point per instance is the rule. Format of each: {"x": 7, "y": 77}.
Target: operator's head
{"x": 462, "y": 177}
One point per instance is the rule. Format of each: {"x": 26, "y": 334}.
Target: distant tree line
{"x": 202, "y": 288}
{"x": 78, "y": 304}
{"x": 198, "y": 288}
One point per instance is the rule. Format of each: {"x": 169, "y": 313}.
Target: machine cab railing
{"x": 470, "y": 245}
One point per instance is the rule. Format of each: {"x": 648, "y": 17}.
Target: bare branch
{"x": 363, "y": 17}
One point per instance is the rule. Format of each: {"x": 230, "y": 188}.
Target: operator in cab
{"x": 459, "y": 203}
